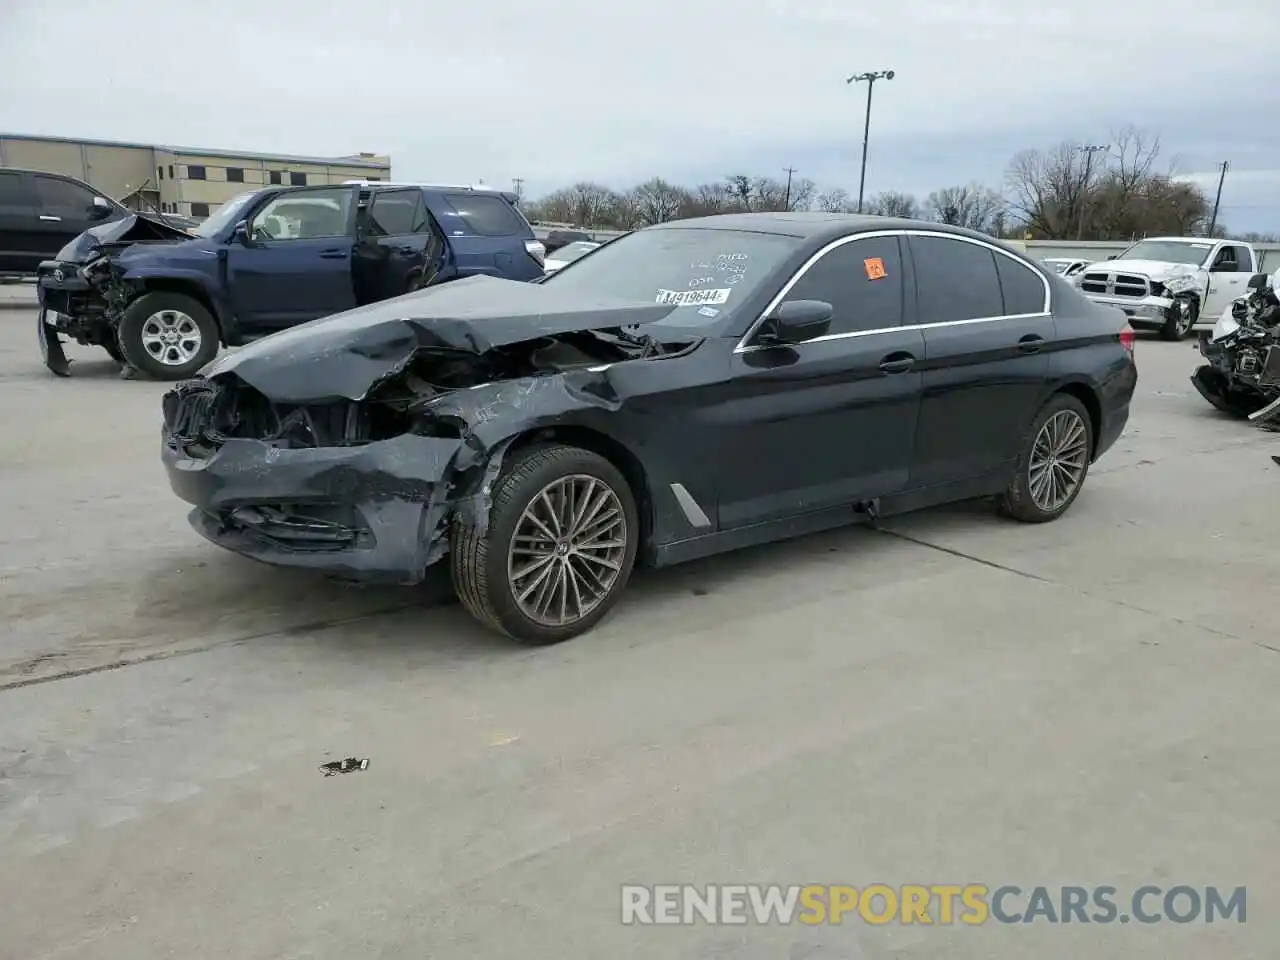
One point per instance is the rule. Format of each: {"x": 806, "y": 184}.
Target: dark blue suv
{"x": 162, "y": 300}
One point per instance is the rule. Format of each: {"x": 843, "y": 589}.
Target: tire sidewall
{"x": 129, "y": 334}
{"x": 1057, "y": 404}
{"x": 1171, "y": 331}
{"x": 502, "y": 527}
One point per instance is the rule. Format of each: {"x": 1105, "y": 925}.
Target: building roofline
{"x": 203, "y": 152}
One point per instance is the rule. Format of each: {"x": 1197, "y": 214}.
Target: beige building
{"x": 187, "y": 181}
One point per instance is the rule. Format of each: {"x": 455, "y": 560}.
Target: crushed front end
{"x": 352, "y": 488}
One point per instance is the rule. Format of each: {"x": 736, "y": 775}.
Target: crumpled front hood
{"x": 1158, "y": 270}
{"x": 131, "y": 229}
{"x": 346, "y": 354}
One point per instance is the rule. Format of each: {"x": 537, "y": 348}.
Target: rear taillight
{"x": 1128, "y": 338}
{"x": 537, "y": 251}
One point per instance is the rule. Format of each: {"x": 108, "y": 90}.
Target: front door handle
{"x": 45, "y": 216}
{"x": 897, "y": 363}
{"x": 1031, "y": 343}
{"x": 333, "y": 254}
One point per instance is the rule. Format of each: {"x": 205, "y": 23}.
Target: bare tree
{"x": 657, "y": 201}
{"x": 591, "y": 204}
{"x": 972, "y": 205}
{"x": 741, "y": 189}
{"x": 892, "y": 203}
{"x": 836, "y": 200}
{"x": 708, "y": 199}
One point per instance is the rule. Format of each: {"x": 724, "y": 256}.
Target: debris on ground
{"x": 344, "y": 766}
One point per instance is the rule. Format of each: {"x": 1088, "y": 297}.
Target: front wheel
{"x": 1053, "y": 464}
{"x": 558, "y": 548}
{"x": 1180, "y": 318}
{"x": 167, "y": 336}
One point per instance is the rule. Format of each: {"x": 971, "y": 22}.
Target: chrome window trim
{"x": 744, "y": 347}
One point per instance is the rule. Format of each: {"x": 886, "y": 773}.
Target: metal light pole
{"x": 1089, "y": 149}
{"x": 1213, "y": 221}
{"x": 870, "y": 79}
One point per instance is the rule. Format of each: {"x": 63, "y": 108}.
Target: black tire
{"x": 1017, "y": 501}
{"x": 130, "y": 335}
{"x": 479, "y": 562}
{"x": 1179, "y": 322}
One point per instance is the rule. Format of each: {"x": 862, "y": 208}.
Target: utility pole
{"x": 786, "y": 203}
{"x": 1089, "y": 149}
{"x": 518, "y": 183}
{"x": 870, "y": 79}
{"x": 1213, "y": 221}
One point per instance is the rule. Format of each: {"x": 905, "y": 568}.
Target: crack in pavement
{"x": 1168, "y": 617}
{"x": 160, "y": 655}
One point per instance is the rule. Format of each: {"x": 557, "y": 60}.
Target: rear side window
{"x": 1023, "y": 288}
{"x": 487, "y": 216}
{"x": 12, "y": 193}
{"x": 397, "y": 214}
{"x": 955, "y": 280}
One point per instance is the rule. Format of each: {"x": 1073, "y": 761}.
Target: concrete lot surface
{"x": 954, "y": 699}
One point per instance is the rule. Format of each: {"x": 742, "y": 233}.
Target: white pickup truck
{"x": 1169, "y": 283}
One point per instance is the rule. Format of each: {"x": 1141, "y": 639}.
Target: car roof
{"x": 815, "y": 226}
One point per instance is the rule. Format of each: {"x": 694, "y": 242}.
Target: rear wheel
{"x": 558, "y": 549}
{"x": 1053, "y": 464}
{"x": 167, "y": 336}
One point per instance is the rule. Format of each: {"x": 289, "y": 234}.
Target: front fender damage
{"x": 415, "y": 452}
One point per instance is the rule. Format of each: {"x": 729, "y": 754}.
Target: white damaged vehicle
{"x": 1169, "y": 283}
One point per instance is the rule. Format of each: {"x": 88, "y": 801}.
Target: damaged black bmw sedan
{"x": 687, "y": 389}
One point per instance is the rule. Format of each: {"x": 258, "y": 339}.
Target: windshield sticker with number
{"x": 693, "y": 298}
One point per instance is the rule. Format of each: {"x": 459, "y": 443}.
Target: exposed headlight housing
{"x": 1181, "y": 283}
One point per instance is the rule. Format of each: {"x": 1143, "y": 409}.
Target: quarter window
{"x": 956, "y": 280}
{"x": 862, "y": 280}
{"x": 488, "y": 216}
{"x": 1023, "y": 288}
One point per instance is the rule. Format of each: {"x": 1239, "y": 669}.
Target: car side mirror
{"x": 797, "y": 321}
{"x": 1258, "y": 281}
{"x": 241, "y": 233}
{"x": 1114, "y": 256}
{"x": 100, "y": 208}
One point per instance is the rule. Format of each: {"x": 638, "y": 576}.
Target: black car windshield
{"x": 705, "y": 273}
{"x": 227, "y": 213}
{"x": 1168, "y": 251}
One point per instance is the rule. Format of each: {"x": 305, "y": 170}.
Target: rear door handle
{"x": 1031, "y": 343}
{"x": 45, "y": 216}
{"x": 897, "y": 363}
{"x": 333, "y": 254}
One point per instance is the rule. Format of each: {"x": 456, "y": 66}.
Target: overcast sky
{"x": 562, "y": 90}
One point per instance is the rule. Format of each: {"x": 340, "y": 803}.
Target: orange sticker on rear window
{"x": 875, "y": 268}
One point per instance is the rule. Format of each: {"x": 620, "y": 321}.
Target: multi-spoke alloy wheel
{"x": 167, "y": 336}
{"x": 557, "y": 548}
{"x": 567, "y": 550}
{"x": 1058, "y": 460}
{"x": 1053, "y": 464}
{"x": 171, "y": 337}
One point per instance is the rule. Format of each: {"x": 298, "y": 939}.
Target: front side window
{"x": 703, "y": 274}
{"x": 955, "y": 280}
{"x": 1021, "y": 287}
{"x": 62, "y": 198}
{"x": 304, "y": 216}
{"x": 12, "y": 193}
{"x": 231, "y": 211}
{"x": 862, "y": 280}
